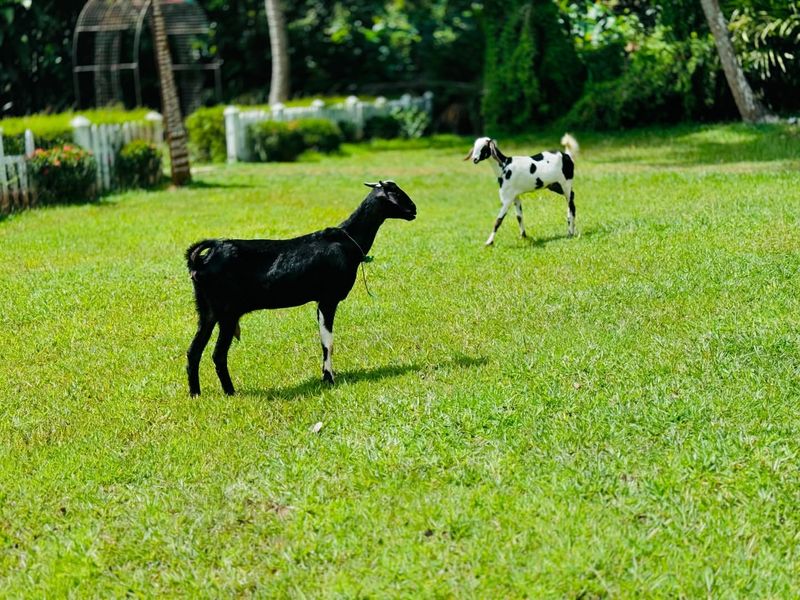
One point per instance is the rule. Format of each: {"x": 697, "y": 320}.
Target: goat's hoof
{"x": 327, "y": 377}
{"x": 523, "y": 235}
{"x": 489, "y": 243}
{"x": 194, "y": 394}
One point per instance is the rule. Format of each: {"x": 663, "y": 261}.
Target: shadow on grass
{"x": 315, "y": 384}
{"x": 532, "y": 241}
{"x": 201, "y": 184}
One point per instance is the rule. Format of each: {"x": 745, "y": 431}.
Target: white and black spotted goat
{"x": 235, "y": 277}
{"x": 519, "y": 174}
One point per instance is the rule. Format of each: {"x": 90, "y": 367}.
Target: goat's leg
{"x": 205, "y": 326}
{"x": 570, "y": 196}
{"x": 499, "y": 220}
{"x": 227, "y": 328}
{"x": 326, "y": 311}
{"x": 518, "y": 207}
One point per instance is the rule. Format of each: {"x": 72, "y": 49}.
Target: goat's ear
{"x": 373, "y": 185}
{"x": 469, "y": 155}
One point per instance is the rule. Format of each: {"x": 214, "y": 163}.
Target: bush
{"x": 64, "y": 174}
{"x": 663, "y": 81}
{"x": 413, "y": 122}
{"x": 348, "y": 130}
{"x": 49, "y": 139}
{"x": 320, "y": 135}
{"x": 139, "y": 165}
{"x": 273, "y": 141}
{"x": 206, "y": 130}
{"x": 385, "y": 127}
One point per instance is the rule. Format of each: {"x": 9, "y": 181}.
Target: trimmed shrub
{"x": 139, "y": 165}
{"x": 206, "y": 130}
{"x": 382, "y": 126}
{"x": 273, "y": 141}
{"x": 348, "y": 130}
{"x": 64, "y": 174}
{"x": 320, "y": 135}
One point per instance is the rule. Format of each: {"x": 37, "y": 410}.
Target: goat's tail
{"x": 570, "y": 144}
{"x": 197, "y": 254}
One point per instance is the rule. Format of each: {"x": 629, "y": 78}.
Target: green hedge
{"x": 206, "y": 130}
{"x": 271, "y": 141}
{"x": 64, "y": 174}
{"x": 139, "y": 165}
{"x": 283, "y": 142}
{"x": 320, "y": 134}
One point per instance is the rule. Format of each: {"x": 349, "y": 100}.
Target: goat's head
{"x": 394, "y": 200}
{"x": 481, "y": 150}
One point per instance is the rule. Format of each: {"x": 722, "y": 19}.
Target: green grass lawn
{"x": 612, "y": 415}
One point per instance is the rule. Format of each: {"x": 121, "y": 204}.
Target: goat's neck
{"x": 364, "y": 223}
{"x": 495, "y": 167}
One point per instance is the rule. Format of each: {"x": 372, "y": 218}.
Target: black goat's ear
{"x": 373, "y": 185}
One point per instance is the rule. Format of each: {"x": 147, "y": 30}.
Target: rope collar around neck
{"x": 364, "y": 259}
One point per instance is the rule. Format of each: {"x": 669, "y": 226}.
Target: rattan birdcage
{"x": 107, "y": 46}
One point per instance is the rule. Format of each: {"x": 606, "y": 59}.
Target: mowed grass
{"x": 610, "y": 415}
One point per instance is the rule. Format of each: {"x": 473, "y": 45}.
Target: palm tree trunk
{"x": 170, "y": 104}
{"x": 749, "y": 107}
{"x": 279, "y": 45}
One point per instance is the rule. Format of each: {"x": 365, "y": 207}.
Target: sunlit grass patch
{"x": 608, "y": 415}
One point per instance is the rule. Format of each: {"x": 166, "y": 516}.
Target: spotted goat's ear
{"x": 469, "y": 155}
{"x": 373, "y": 185}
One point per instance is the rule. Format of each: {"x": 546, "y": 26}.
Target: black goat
{"x": 234, "y": 277}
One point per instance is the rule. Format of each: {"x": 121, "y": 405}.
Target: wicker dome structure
{"x": 107, "y": 46}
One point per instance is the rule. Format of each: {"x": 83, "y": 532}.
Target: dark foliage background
{"x": 510, "y": 65}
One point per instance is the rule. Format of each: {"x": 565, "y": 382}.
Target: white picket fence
{"x": 15, "y": 188}
{"x": 353, "y": 110}
{"x": 103, "y": 141}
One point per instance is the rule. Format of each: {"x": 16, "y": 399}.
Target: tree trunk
{"x": 279, "y": 45}
{"x": 170, "y": 103}
{"x": 749, "y": 107}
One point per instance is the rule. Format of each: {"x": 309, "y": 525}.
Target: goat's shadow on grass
{"x": 315, "y": 384}
{"x": 532, "y": 241}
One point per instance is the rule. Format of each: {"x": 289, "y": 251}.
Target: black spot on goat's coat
{"x": 508, "y": 174}
{"x": 233, "y": 277}
{"x": 538, "y": 157}
{"x": 556, "y": 187}
{"x": 567, "y": 166}
{"x": 533, "y": 168}
{"x": 539, "y": 183}
{"x": 500, "y": 181}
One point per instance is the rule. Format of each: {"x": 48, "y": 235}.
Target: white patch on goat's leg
{"x": 326, "y": 338}
{"x": 499, "y": 220}
{"x": 518, "y": 207}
